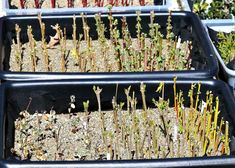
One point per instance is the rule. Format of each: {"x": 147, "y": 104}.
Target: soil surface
{"x": 99, "y": 63}
{"x": 77, "y": 3}
{"x": 61, "y": 137}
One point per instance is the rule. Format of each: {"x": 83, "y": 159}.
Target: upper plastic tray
{"x": 186, "y": 25}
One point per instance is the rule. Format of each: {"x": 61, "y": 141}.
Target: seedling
{"x": 100, "y": 27}
{"x": 63, "y": 49}
{"x": 44, "y": 44}
{"x": 18, "y": 48}
{"x": 75, "y": 52}
{"x": 32, "y": 46}
{"x": 226, "y": 46}
{"x": 98, "y": 91}
{"x": 214, "y": 9}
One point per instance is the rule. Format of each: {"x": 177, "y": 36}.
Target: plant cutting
{"x": 126, "y": 131}
{"x": 147, "y": 52}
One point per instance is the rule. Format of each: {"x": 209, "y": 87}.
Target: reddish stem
{"x": 123, "y": 3}
{"x": 53, "y": 3}
{"x": 97, "y": 2}
{"x": 142, "y": 2}
{"x": 36, "y": 2}
{"x": 84, "y": 3}
{"x": 70, "y": 3}
{"x": 111, "y": 2}
{"x": 127, "y": 3}
{"x": 116, "y": 2}
{"x": 100, "y": 3}
{"x": 22, "y": 2}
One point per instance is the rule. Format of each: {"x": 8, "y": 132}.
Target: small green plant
{"x": 217, "y": 9}
{"x": 226, "y": 46}
{"x": 115, "y": 39}
{"x": 200, "y": 8}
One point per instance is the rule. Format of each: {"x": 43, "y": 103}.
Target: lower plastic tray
{"x": 46, "y": 95}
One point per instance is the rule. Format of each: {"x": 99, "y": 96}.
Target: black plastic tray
{"x": 45, "y": 94}
{"x": 185, "y": 24}
{"x": 226, "y": 70}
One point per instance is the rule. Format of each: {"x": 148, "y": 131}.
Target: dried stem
{"x": 18, "y": 51}
{"x": 176, "y": 99}
{"x": 226, "y": 138}
{"x": 57, "y": 139}
{"x": 87, "y": 38}
{"x": 44, "y": 44}
{"x": 88, "y": 138}
{"x": 142, "y": 90}
{"x": 63, "y": 49}
{"x": 98, "y": 91}
{"x": 32, "y": 46}
{"x": 216, "y": 114}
